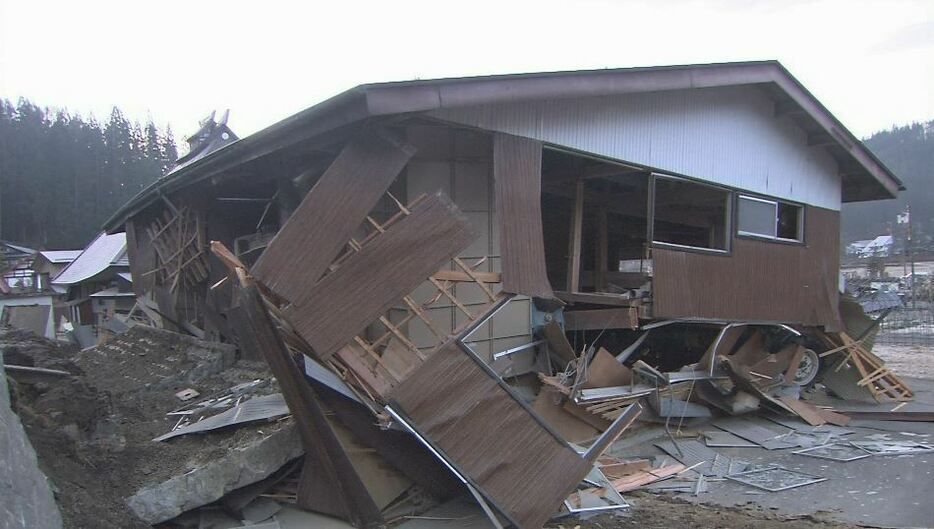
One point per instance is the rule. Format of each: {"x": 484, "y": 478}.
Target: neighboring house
{"x": 101, "y": 267}
{"x": 50, "y": 263}
{"x": 27, "y": 299}
{"x": 685, "y": 192}
{"x": 854, "y": 248}
{"x": 881, "y": 246}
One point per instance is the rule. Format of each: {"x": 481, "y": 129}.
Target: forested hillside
{"x": 62, "y": 175}
{"x": 909, "y": 152}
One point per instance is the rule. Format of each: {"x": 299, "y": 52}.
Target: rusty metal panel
{"x": 517, "y": 172}
{"x": 726, "y": 135}
{"x": 330, "y": 213}
{"x": 496, "y": 443}
{"x": 760, "y": 280}
{"x": 366, "y": 286}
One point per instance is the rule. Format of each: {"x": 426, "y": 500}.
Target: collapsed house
{"x": 467, "y": 262}
{"x": 28, "y": 300}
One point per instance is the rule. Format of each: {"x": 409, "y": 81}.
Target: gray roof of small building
{"x": 103, "y": 252}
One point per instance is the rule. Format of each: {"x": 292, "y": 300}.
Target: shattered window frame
{"x": 777, "y": 207}
{"x": 727, "y": 214}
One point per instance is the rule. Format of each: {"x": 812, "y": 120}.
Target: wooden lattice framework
{"x": 381, "y": 358}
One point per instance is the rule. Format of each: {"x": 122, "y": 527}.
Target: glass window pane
{"x": 756, "y": 216}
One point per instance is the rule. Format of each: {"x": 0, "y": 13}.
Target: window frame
{"x": 727, "y": 221}
{"x": 800, "y": 240}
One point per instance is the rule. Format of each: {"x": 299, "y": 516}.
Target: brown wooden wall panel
{"x": 524, "y": 470}
{"x": 761, "y": 280}
{"x": 326, "y": 219}
{"x": 387, "y": 268}
{"x": 517, "y": 171}
{"x": 599, "y": 319}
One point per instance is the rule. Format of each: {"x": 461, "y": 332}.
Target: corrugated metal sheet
{"x": 104, "y": 251}
{"x": 789, "y": 283}
{"x": 724, "y": 135}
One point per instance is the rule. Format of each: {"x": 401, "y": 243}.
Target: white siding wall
{"x": 723, "y": 135}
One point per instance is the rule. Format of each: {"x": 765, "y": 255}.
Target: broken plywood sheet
{"x": 368, "y": 283}
{"x": 517, "y": 172}
{"x": 548, "y": 405}
{"x": 605, "y": 371}
{"x": 341, "y": 199}
{"x": 524, "y": 469}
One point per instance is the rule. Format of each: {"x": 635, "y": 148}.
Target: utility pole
{"x": 911, "y": 256}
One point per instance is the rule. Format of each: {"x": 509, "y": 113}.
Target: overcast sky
{"x": 870, "y": 62}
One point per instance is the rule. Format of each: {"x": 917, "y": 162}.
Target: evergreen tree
{"x": 62, "y": 176}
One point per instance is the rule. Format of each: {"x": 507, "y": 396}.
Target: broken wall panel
{"x": 369, "y": 282}
{"x": 329, "y": 481}
{"x": 517, "y": 172}
{"x": 767, "y": 281}
{"x": 599, "y": 319}
{"x": 518, "y": 464}
{"x": 341, "y": 200}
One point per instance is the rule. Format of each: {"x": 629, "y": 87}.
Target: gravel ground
{"x": 908, "y": 360}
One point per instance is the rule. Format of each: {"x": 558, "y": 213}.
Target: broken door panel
{"x": 328, "y": 216}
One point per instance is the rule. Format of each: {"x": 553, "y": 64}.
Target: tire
{"x": 808, "y": 369}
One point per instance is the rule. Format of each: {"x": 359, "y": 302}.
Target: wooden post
{"x": 574, "y": 249}
{"x": 603, "y": 249}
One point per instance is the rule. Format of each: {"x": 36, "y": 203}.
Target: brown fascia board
{"x": 423, "y": 96}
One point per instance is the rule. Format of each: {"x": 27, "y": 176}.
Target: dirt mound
{"x": 93, "y": 431}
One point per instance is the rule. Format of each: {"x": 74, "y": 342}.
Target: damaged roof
{"x": 865, "y": 177}
{"x": 103, "y": 252}
{"x": 60, "y": 256}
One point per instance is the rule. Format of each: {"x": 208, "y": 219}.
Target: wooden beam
{"x": 462, "y": 277}
{"x": 787, "y": 108}
{"x": 819, "y": 139}
{"x": 329, "y": 482}
{"x": 574, "y": 248}
{"x": 602, "y": 251}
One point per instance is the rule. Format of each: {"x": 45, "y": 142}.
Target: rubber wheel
{"x": 808, "y": 369}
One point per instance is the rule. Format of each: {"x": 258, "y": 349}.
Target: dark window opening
{"x": 690, "y": 214}
{"x": 613, "y": 228}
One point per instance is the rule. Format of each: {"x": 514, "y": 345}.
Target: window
{"x": 770, "y": 218}
{"x": 690, "y": 214}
